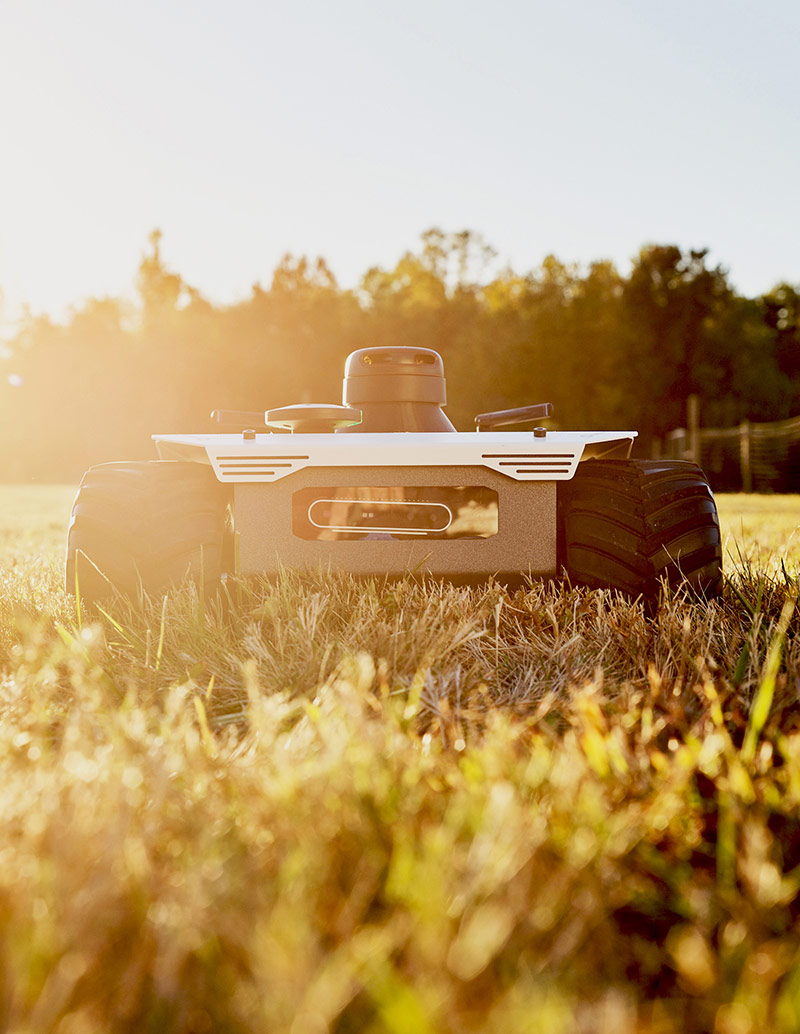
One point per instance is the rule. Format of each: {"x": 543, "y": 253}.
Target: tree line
{"x": 608, "y": 350}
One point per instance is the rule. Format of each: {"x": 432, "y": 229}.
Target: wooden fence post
{"x": 693, "y": 426}
{"x": 744, "y": 456}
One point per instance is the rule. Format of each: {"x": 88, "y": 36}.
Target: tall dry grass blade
{"x": 762, "y": 702}
{"x": 161, "y": 633}
{"x": 78, "y": 606}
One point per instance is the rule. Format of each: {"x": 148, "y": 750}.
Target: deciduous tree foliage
{"x": 609, "y": 350}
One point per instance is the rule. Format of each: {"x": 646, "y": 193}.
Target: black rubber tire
{"x": 144, "y": 526}
{"x": 628, "y": 524}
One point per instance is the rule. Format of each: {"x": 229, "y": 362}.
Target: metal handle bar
{"x": 501, "y": 417}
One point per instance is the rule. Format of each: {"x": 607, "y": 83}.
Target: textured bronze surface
{"x": 524, "y": 545}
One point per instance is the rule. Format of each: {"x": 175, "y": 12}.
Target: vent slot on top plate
{"x": 260, "y": 465}
{"x": 533, "y": 462}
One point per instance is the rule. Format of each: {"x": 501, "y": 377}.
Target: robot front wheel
{"x": 143, "y": 526}
{"x": 631, "y": 524}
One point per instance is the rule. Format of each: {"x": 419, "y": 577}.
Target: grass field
{"x": 320, "y": 806}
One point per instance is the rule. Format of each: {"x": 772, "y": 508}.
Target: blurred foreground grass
{"x": 321, "y": 806}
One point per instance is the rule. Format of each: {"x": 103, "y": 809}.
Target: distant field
{"x": 33, "y": 521}
{"x": 762, "y": 528}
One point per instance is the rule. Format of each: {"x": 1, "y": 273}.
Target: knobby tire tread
{"x": 628, "y": 524}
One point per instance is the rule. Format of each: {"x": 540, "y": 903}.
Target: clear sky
{"x": 249, "y": 128}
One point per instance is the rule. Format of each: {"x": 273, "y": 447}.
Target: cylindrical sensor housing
{"x": 397, "y": 389}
